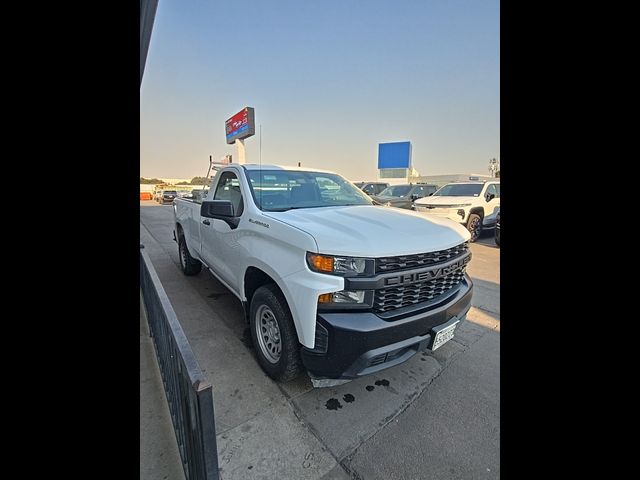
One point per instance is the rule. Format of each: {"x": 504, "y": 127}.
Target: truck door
{"x": 220, "y": 247}
{"x": 492, "y": 205}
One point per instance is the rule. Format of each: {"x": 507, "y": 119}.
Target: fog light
{"x": 348, "y": 296}
{"x": 345, "y": 299}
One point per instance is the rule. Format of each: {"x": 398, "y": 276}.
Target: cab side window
{"x": 420, "y": 192}
{"x": 491, "y": 190}
{"x": 229, "y": 189}
{"x": 369, "y": 189}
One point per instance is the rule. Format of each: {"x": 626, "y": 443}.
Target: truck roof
{"x": 265, "y": 166}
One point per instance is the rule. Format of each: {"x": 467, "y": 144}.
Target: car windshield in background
{"x": 396, "y": 191}
{"x": 169, "y": 192}
{"x": 281, "y": 190}
{"x": 460, "y": 190}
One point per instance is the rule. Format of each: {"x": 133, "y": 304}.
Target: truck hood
{"x": 374, "y": 231}
{"x": 446, "y": 200}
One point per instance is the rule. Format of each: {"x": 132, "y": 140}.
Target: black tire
{"x": 497, "y": 237}
{"x": 474, "y": 225}
{"x": 288, "y": 366}
{"x": 188, "y": 264}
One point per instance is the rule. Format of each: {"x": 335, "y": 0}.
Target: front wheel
{"x": 190, "y": 266}
{"x": 274, "y": 335}
{"x": 474, "y": 225}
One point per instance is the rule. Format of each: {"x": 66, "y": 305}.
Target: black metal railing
{"x": 189, "y": 396}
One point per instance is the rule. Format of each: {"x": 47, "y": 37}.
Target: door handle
{"x": 206, "y": 222}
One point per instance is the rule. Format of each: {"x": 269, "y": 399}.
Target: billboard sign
{"x": 394, "y": 155}
{"x": 241, "y": 125}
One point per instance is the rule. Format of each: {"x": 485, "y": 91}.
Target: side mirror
{"x": 220, "y": 209}
{"x": 415, "y": 196}
{"x": 490, "y": 196}
{"x": 217, "y": 209}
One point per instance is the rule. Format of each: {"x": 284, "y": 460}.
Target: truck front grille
{"x": 392, "y": 298}
{"x": 406, "y": 262}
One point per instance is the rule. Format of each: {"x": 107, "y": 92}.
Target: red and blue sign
{"x": 241, "y": 125}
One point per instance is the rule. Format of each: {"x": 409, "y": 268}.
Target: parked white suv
{"x": 473, "y": 204}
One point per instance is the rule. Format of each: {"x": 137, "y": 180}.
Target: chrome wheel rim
{"x": 268, "y": 333}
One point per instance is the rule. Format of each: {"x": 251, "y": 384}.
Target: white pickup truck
{"x": 328, "y": 281}
{"x": 473, "y": 204}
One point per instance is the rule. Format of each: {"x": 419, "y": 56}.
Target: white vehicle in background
{"x": 473, "y": 204}
{"x": 329, "y": 282}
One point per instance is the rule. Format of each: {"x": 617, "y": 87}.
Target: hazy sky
{"x": 329, "y": 80}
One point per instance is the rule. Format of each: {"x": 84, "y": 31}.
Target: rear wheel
{"x": 190, "y": 266}
{"x": 274, "y": 335}
{"x": 474, "y": 225}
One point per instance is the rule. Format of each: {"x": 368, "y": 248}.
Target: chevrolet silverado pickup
{"x": 328, "y": 281}
{"x": 473, "y": 204}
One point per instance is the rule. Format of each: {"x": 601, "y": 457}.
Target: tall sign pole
{"x": 241, "y": 153}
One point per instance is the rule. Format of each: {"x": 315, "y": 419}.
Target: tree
{"x": 150, "y": 181}
{"x": 183, "y": 183}
{"x": 200, "y": 181}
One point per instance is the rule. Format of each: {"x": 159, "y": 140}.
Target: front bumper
{"x": 359, "y": 344}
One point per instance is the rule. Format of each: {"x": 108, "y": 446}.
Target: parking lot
{"x": 435, "y": 416}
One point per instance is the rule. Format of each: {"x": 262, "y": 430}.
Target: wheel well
{"x": 255, "y": 278}
{"x": 478, "y": 211}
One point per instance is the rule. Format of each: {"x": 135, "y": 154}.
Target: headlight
{"x": 338, "y": 265}
{"x": 388, "y": 204}
{"x": 358, "y": 299}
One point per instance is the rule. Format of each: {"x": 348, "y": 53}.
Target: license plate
{"x": 444, "y": 335}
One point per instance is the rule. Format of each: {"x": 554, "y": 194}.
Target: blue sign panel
{"x": 394, "y": 155}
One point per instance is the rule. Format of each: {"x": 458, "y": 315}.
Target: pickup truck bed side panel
{"x": 187, "y": 214}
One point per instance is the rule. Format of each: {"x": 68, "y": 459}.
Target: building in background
{"x": 394, "y": 163}
{"x": 440, "y": 180}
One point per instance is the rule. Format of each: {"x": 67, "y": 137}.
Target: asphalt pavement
{"x": 435, "y": 416}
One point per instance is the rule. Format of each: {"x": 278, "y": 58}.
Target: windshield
{"x": 460, "y": 190}
{"x": 281, "y": 190}
{"x": 170, "y": 192}
{"x": 396, "y": 191}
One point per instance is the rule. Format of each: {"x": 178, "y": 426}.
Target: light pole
{"x": 493, "y": 167}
